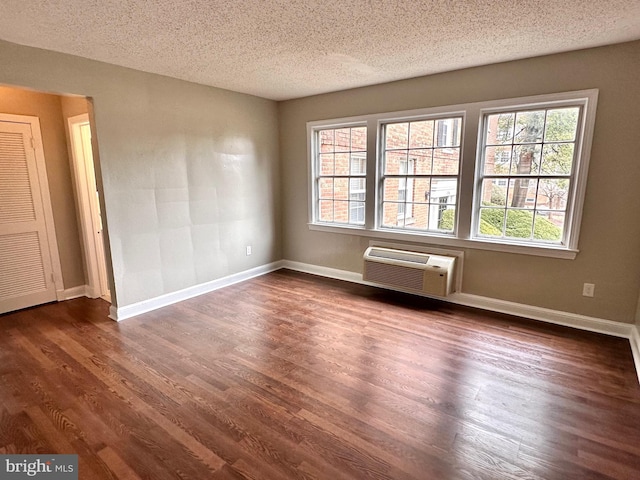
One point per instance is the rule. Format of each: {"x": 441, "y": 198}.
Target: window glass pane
{"x": 342, "y": 163}
{"x": 500, "y": 129}
{"x": 325, "y": 213}
{"x": 419, "y": 219}
{"x": 548, "y": 226}
{"x": 391, "y": 189}
{"x": 356, "y": 212}
{"x": 446, "y": 161}
{"x": 557, "y": 159}
{"x": 342, "y": 139}
{"x": 526, "y": 160}
{"x": 562, "y": 125}
{"x": 519, "y": 224}
{"x": 494, "y": 192}
{"x": 497, "y": 160}
{"x": 341, "y": 189}
{"x": 421, "y": 134}
{"x": 394, "y": 161}
{"x": 358, "y": 164}
{"x": 357, "y": 185}
{"x": 443, "y": 187}
{"x": 522, "y": 193}
{"x": 326, "y": 141}
{"x": 396, "y": 135}
{"x": 326, "y": 188}
{"x": 326, "y": 164}
{"x": 421, "y": 189}
{"x": 457, "y": 132}
{"x": 392, "y": 215}
{"x": 341, "y": 211}
{"x": 446, "y": 217}
{"x": 491, "y": 222}
{"x": 359, "y": 139}
{"x": 447, "y": 132}
{"x": 529, "y": 127}
{"x": 553, "y": 193}
{"x": 421, "y": 160}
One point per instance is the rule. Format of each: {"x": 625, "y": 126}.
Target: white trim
{"x": 121, "y": 313}
{"x": 557, "y": 317}
{"x": 450, "y": 241}
{"x": 323, "y": 271}
{"x": 85, "y": 183}
{"x": 73, "y": 292}
{"x": 634, "y": 339}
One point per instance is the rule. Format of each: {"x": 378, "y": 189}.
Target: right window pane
{"x": 527, "y": 174}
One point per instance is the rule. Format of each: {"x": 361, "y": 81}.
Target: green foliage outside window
{"x": 518, "y": 224}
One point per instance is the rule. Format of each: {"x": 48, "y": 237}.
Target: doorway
{"x": 88, "y": 200}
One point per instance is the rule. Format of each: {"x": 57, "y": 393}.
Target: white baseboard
{"x": 73, "y": 292}
{"x": 121, "y": 313}
{"x": 323, "y": 271}
{"x": 635, "y": 347}
{"x": 575, "y": 320}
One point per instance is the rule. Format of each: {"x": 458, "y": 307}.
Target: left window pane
{"x": 340, "y": 175}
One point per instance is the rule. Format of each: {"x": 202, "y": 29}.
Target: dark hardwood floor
{"x": 291, "y": 376}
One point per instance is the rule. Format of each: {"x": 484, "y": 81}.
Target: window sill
{"x": 450, "y": 241}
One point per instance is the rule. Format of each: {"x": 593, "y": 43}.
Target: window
{"x": 341, "y": 175}
{"x": 419, "y": 169}
{"x": 506, "y": 175}
{"x": 526, "y": 174}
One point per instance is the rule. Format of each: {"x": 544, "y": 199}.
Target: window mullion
{"x": 467, "y": 185}
{"x": 371, "y": 198}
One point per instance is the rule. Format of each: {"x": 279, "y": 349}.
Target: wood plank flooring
{"x": 291, "y": 376}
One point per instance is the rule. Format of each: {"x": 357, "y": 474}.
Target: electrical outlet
{"x": 588, "y": 289}
{"x": 248, "y": 250}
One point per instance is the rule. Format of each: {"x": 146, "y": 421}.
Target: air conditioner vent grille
{"x": 395, "y": 275}
{"x": 410, "y": 271}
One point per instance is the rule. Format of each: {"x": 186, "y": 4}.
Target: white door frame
{"x": 43, "y": 180}
{"x": 90, "y": 222}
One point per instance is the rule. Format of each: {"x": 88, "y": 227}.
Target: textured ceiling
{"x": 283, "y": 49}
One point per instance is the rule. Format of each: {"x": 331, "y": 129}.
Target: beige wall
{"x": 610, "y": 235}
{"x": 48, "y": 109}
{"x": 190, "y": 173}
{"x": 72, "y": 106}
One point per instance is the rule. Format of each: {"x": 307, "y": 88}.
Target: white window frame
{"x": 447, "y": 135}
{"x": 313, "y": 151}
{"x": 468, "y": 192}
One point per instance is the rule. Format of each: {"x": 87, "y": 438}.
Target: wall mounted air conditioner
{"x": 410, "y": 271}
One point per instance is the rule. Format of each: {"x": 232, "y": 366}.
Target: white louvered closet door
{"x": 25, "y": 261}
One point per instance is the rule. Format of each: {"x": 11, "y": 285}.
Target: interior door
{"x": 26, "y": 269}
